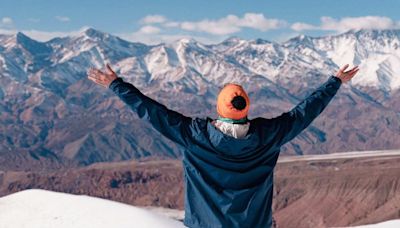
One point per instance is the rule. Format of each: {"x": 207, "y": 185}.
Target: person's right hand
{"x": 346, "y": 76}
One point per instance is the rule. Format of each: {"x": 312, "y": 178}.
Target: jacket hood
{"x": 231, "y": 147}
{"x": 236, "y": 130}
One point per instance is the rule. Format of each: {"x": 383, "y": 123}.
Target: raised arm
{"x": 171, "y": 124}
{"x": 292, "y": 123}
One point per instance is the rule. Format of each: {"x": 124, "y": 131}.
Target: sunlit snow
{"x": 46, "y": 209}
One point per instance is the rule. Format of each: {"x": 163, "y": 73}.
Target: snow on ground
{"x": 355, "y": 154}
{"x": 387, "y": 224}
{"x": 46, "y": 209}
{"x": 170, "y": 213}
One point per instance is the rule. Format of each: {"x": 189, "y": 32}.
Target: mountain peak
{"x": 299, "y": 40}
{"x": 260, "y": 41}
{"x": 231, "y": 41}
{"x": 30, "y": 44}
{"x": 187, "y": 40}
{"x": 93, "y": 33}
{"x": 22, "y": 38}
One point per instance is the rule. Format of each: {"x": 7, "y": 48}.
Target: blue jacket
{"x": 228, "y": 181}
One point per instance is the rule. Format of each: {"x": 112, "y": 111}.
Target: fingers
{"x": 354, "y": 73}
{"x": 350, "y": 74}
{"x": 95, "y": 72}
{"x": 352, "y": 69}
{"x": 97, "y": 76}
{"x": 93, "y": 78}
{"x": 344, "y": 68}
{"x": 109, "y": 69}
{"x": 97, "y": 80}
{"x": 100, "y": 77}
{"x": 347, "y": 75}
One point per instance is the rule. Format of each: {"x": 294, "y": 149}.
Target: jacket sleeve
{"x": 169, "y": 123}
{"x": 292, "y": 123}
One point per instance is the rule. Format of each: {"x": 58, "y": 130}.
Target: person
{"x": 228, "y": 162}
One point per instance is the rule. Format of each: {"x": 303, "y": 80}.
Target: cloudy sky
{"x": 209, "y": 21}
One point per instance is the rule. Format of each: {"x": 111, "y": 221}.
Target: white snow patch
{"x": 170, "y": 213}
{"x": 342, "y": 155}
{"x": 46, "y": 209}
{"x": 157, "y": 61}
{"x": 386, "y": 224}
{"x": 3, "y": 63}
{"x": 343, "y": 52}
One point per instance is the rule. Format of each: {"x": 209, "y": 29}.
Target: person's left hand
{"x": 102, "y": 78}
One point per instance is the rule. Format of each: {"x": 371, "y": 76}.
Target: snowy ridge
{"x": 46, "y": 209}
{"x": 376, "y": 51}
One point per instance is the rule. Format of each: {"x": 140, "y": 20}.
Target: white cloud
{"x": 232, "y": 24}
{"x": 368, "y": 22}
{"x": 347, "y": 23}
{"x": 149, "y": 29}
{"x": 7, "y": 31}
{"x": 259, "y": 22}
{"x": 166, "y": 38}
{"x": 215, "y": 30}
{"x": 222, "y": 26}
{"x": 63, "y": 18}
{"x": 46, "y": 35}
{"x": 7, "y": 21}
{"x": 150, "y": 34}
{"x": 153, "y": 19}
{"x": 171, "y": 24}
{"x": 299, "y": 26}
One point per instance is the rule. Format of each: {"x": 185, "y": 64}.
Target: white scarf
{"x": 237, "y": 131}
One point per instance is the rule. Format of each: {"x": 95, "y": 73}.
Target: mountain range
{"x": 51, "y": 115}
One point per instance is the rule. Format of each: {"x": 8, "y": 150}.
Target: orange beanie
{"x": 225, "y": 107}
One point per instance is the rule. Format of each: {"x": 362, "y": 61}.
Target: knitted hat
{"x": 233, "y": 102}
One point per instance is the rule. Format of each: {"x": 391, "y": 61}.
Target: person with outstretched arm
{"x": 229, "y": 161}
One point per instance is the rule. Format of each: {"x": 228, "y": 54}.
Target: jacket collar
{"x": 228, "y": 120}
{"x": 228, "y": 146}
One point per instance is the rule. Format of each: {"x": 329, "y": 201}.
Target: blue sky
{"x": 155, "y": 21}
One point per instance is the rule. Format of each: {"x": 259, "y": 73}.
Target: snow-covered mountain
{"x": 376, "y": 52}
{"x": 50, "y": 109}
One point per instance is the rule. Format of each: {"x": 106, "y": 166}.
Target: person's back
{"x": 228, "y": 180}
{"x": 228, "y": 173}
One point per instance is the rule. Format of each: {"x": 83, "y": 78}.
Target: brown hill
{"x": 308, "y": 193}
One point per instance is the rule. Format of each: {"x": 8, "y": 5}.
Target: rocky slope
{"x": 51, "y": 115}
